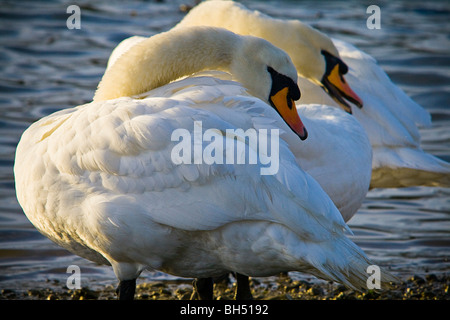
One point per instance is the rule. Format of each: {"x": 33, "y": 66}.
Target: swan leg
{"x": 203, "y": 289}
{"x": 126, "y": 289}
{"x": 243, "y": 291}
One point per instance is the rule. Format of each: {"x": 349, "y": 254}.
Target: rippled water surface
{"x": 45, "y": 67}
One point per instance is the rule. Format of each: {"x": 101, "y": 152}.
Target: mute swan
{"x": 350, "y": 148}
{"x": 99, "y": 179}
{"x": 390, "y": 118}
{"x": 337, "y": 141}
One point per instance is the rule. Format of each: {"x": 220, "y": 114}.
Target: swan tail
{"x": 408, "y": 167}
{"x": 350, "y": 266}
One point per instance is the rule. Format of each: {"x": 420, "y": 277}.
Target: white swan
{"x": 335, "y": 140}
{"x": 390, "y": 118}
{"x": 330, "y": 129}
{"x": 99, "y": 179}
{"x": 392, "y": 121}
{"x": 337, "y": 153}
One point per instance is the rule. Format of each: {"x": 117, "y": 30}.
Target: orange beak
{"x": 334, "y": 84}
{"x": 285, "y": 106}
{"x": 338, "y": 81}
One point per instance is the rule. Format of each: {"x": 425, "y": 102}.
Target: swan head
{"x": 265, "y": 70}
{"x": 312, "y": 52}
{"x": 269, "y": 74}
{"x": 317, "y": 59}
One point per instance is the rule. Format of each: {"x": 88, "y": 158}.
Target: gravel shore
{"x": 429, "y": 287}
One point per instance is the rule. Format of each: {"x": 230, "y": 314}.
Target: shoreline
{"x": 429, "y": 287}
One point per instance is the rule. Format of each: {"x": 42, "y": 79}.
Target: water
{"x": 45, "y": 67}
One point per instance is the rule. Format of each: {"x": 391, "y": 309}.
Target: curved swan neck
{"x": 300, "y": 41}
{"x": 165, "y": 57}
{"x": 231, "y": 16}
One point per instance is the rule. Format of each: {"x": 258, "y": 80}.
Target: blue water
{"x": 45, "y": 67}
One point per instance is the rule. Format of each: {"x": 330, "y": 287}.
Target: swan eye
{"x": 332, "y": 61}
{"x": 282, "y": 95}
{"x": 333, "y": 82}
{"x": 280, "y": 81}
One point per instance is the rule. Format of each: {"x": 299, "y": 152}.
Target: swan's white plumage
{"x": 337, "y": 153}
{"x": 392, "y": 121}
{"x": 98, "y": 180}
{"x": 390, "y": 118}
{"x": 335, "y": 140}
